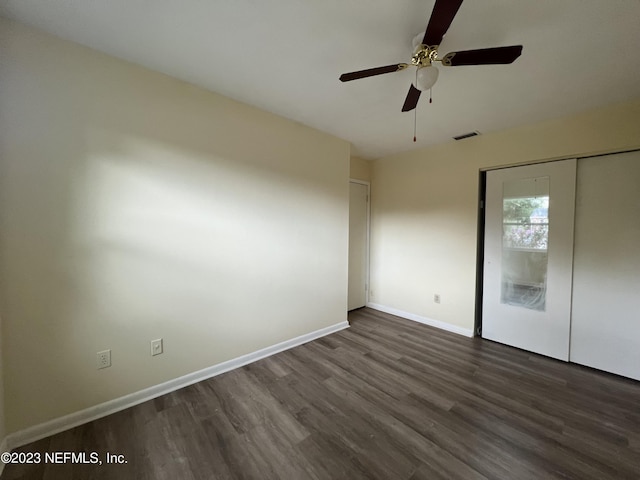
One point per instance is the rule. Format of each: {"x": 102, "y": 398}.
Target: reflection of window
{"x": 525, "y": 223}
{"x": 525, "y": 239}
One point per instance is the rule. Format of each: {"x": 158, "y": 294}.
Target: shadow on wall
{"x": 134, "y": 207}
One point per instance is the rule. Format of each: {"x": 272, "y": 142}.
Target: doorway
{"x": 358, "y": 244}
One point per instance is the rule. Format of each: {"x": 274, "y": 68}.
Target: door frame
{"x": 367, "y": 284}
{"x": 482, "y": 198}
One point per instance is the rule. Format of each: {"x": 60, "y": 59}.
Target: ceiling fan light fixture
{"x": 425, "y": 52}
{"x": 426, "y": 77}
{"x": 417, "y": 40}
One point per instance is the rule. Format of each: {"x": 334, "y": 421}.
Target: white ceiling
{"x": 285, "y": 56}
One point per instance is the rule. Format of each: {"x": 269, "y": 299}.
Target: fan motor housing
{"x": 424, "y": 55}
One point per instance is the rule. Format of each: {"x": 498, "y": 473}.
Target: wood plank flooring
{"x": 384, "y": 399}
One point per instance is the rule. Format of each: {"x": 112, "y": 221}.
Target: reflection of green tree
{"x": 518, "y": 230}
{"x": 518, "y": 210}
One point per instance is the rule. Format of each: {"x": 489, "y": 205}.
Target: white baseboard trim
{"x": 427, "y": 321}
{"x": 60, "y": 424}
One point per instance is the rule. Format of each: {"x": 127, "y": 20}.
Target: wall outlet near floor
{"x": 156, "y": 347}
{"x": 103, "y": 359}
{"x": 436, "y": 297}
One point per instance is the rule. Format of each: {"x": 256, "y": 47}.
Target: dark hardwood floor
{"x": 386, "y": 398}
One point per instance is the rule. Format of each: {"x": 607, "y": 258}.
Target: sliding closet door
{"x": 605, "y": 331}
{"x": 528, "y": 257}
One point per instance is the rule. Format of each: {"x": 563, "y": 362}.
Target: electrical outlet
{"x": 103, "y": 359}
{"x": 156, "y": 346}
{"x": 436, "y": 297}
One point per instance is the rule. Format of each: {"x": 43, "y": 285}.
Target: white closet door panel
{"x": 605, "y": 322}
{"x": 527, "y": 257}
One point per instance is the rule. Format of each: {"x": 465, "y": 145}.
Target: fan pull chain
{"x": 430, "y": 100}
{"x": 415, "y": 113}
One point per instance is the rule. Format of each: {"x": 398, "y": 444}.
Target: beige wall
{"x": 424, "y": 206}
{"x": 2, "y": 415}
{"x": 134, "y": 206}
{"x": 360, "y": 169}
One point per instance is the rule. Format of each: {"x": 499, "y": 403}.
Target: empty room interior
{"x": 238, "y": 240}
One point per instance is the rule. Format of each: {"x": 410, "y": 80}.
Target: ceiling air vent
{"x": 467, "y": 135}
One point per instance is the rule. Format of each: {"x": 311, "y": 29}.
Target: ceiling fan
{"x": 426, "y": 52}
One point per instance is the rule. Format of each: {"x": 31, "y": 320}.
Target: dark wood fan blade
{"x": 443, "y": 13}
{"x": 483, "y": 56}
{"x": 370, "y": 72}
{"x": 412, "y": 99}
